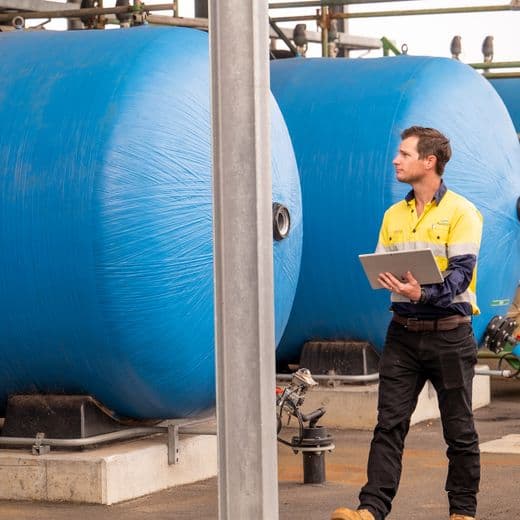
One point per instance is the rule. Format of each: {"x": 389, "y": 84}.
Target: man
{"x": 430, "y": 335}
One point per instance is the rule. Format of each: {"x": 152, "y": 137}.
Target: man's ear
{"x": 430, "y": 162}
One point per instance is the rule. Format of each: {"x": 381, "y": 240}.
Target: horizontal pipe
{"x": 91, "y": 11}
{"x": 439, "y": 10}
{"x": 301, "y": 18}
{"x": 497, "y": 75}
{"x": 375, "y": 376}
{"x": 42, "y": 5}
{"x": 196, "y": 23}
{"x": 197, "y": 431}
{"x": 496, "y": 65}
{"x": 488, "y": 372}
{"x": 409, "y": 12}
{"x": 318, "y": 3}
{"x": 485, "y": 354}
{"x": 367, "y": 378}
{"x": 105, "y": 437}
{"x": 87, "y": 441}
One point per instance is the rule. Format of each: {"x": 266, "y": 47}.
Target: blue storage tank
{"x": 345, "y": 119}
{"x": 509, "y": 90}
{"x": 106, "y": 277}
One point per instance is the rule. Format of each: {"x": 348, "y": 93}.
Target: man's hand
{"x": 409, "y": 288}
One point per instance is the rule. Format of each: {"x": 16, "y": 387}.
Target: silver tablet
{"x": 420, "y": 262}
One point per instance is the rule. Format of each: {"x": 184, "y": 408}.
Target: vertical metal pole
{"x": 248, "y": 480}
{"x": 74, "y": 24}
{"x": 324, "y": 31}
{"x": 343, "y": 26}
{"x": 201, "y": 8}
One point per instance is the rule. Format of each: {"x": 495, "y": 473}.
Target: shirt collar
{"x": 437, "y": 197}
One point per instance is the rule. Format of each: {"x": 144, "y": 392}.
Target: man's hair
{"x": 431, "y": 142}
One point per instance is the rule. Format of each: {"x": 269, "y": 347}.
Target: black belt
{"x": 416, "y": 325}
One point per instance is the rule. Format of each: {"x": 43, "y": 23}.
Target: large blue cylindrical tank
{"x": 345, "y": 119}
{"x": 509, "y": 90}
{"x": 106, "y": 271}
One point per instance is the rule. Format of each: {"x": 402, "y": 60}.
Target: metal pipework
{"x": 74, "y": 24}
{"x": 312, "y": 440}
{"x": 42, "y": 5}
{"x": 195, "y": 23}
{"x": 41, "y": 445}
{"x": 489, "y": 372}
{"x": 201, "y": 8}
{"x": 409, "y": 12}
{"x": 303, "y": 18}
{"x": 323, "y": 22}
{"x": 94, "y": 11}
{"x": 87, "y": 441}
{"x": 284, "y": 38}
{"x": 318, "y": 3}
{"x": 372, "y": 378}
{"x": 439, "y": 10}
{"x": 496, "y": 65}
{"x": 316, "y": 441}
{"x": 367, "y": 378}
{"x": 485, "y": 354}
{"x": 496, "y": 75}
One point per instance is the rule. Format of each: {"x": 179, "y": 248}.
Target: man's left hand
{"x": 409, "y": 287}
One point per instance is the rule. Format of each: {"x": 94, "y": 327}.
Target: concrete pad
{"x": 507, "y": 444}
{"x": 355, "y": 406}
{"x": 106, "y": 475}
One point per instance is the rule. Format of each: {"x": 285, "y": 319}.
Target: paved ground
{"x": 421, "y": 496}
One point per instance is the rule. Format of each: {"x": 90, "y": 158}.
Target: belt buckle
{"x": 412, "y": 324}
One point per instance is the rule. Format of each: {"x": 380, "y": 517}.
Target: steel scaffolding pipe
{"x": 34, "y": 5}
{"x": 439, "y": 10}
{"x": 495, "y": 75}
{"x": 318, "y": 3}
{"x": 94, "y": 11}
{"x": 409, "y": 12}
{"x": 496, "y": 65}
{"x": 195, "y": 23}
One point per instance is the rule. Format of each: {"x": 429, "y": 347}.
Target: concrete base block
{"x": 106, "y": 475}
{"x": 507, "y": 444}
{"x": 355, "y": 406}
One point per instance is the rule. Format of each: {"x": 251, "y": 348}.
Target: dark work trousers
{"x": 409, "y": 359}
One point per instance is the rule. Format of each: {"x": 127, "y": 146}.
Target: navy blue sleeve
{"x": 456, "y": 280}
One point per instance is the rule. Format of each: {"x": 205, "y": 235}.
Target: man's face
{"x": 408, "y": 167}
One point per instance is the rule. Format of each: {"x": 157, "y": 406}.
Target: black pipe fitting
{"x": 315, "y": 442}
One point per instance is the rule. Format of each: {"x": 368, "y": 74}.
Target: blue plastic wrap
{"x": 509, "y": 90}
{"x": 345, "y": 119}
{"x": 106, "y": 276}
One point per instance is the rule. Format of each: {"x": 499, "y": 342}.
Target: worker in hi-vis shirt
{"x": 430, "y": 336}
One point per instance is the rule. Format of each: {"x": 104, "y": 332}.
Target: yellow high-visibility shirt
{"x": 451, "y": 226}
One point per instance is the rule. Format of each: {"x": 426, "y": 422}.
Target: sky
{"x": 423, "y": 34}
